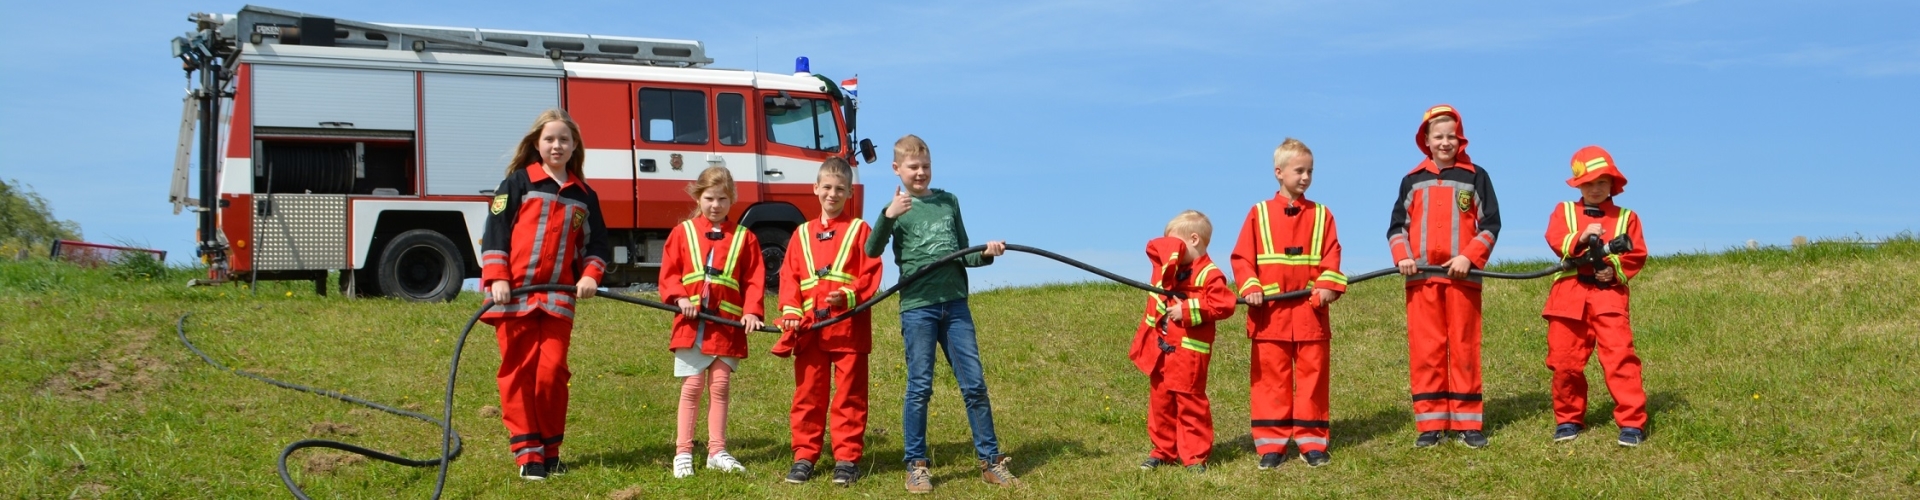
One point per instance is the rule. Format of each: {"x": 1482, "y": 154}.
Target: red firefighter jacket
{"x": 1180, "y": 345}
{"x": 824, "y": 257}
{"x": 722, "y": 276}
{"x": 1288, "y": 245}
{"x": 541, "y": 232}
{"x": 1442, "y": 213}
{"x": 1575, "y": 290}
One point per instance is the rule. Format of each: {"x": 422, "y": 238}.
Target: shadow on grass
{"x": 1657, "y": 403}
{"x": 1506, "y": 410}
{"x": 958, "y": 460}
{"x": 748, "y": 450}
{"x": 1358, "y": 431}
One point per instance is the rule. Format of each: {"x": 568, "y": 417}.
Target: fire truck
{"x": 371, "y": 151}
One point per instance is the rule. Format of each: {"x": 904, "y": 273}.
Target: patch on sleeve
{"x": 499, "y": 204}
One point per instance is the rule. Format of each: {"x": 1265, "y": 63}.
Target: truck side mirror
{"x": 866, "y": 151}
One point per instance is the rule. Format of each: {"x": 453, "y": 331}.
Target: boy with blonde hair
{"x": 1446, "y": 215}
{"x": 1173, "y": 345}
{"x": 826, "y": 273}
{"x": 924, "y": 224}
{"x": 1289, "y": 243}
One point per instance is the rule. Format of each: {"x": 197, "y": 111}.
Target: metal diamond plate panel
{"x": 300, "y": 232}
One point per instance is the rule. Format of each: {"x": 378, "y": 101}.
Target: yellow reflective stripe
{"x": 1620, "y": 229}
{"x": 693, "y": 249}
{"x": 852, "y": 297}
{"x": 1319, "y": 230}
{"x": 1270, "y": 289}
{"x": 846, "y": 248}
{"x": 1566, "y": 244}
{"x": 1334, "y": 276}
{"x": 792, "y": 310}
{"x": 1280, "y": 258}
{"x": 1196, "y": 345}
{"x": 1193, "y": 310}
{"x": 1200, "y": 278}
{"x": 1251, "y": 282}
{"x": 733, "y": 253}
{"x": 806, "y": 249}
{"x": 1266, "y": 230}
{"x": 730, "y": 308}
{"x": 1563, "y": 274}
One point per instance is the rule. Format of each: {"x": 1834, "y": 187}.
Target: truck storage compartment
{"x": 288, "y": 163}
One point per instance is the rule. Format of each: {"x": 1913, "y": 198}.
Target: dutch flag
{"x": 851, "y": 85}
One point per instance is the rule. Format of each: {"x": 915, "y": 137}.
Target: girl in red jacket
{"x": 543, "y": 201}
{"x": 710, "y": 265}
{"x": 1588, "y": 305}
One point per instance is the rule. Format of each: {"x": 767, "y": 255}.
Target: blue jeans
{"x": 950, "y": 325}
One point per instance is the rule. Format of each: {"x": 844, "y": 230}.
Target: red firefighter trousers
{"x": 1443, "y": 353}
{"x": 533, "y": 384}
{"x": 812, "y": 371}
{"x": 1180, "y": 424}
{"x": 1290, "y": 395}
{"x": 1570, "y": 342}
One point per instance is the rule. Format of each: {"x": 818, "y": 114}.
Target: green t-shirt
{"x": 931, "y": 230}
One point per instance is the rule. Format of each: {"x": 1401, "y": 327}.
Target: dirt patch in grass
{"x": 327, "y": 462}
{"x": 333, "y": 428}
{"x": 91, "y": 490}
{"x": 489, "y": 411}
{"x": 629, "y": 493}
{"x": 125, "y": 370}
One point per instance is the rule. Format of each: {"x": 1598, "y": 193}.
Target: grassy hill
{"x": 1771, "y": 373}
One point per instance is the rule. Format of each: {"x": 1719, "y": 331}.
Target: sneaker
{"x": 801, "y": 471}
{"x": 1473, "y": 439}
{"x": 1566, "y": 432}
{"x": 1317, "y": 458}
{"x": 1429, "y": 438}
{"x": 1197, "y": 468}
{"x": 919, "y": 480}
{"x": 844, "y": 473}
{"x": 995, "y": 472}
{"x": 1152, "y": 463}
{"x": 683, "y": 465}
{"x": 1269, "y": 461}
{"x": 1632, "y": 436}
{"x": 724, "y": 462}
{"x": 533, "y": 471}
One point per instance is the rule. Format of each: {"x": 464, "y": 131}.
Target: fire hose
{"x": 1594, "y": 253}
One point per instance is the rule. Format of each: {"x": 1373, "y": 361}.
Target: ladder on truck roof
{"x": 257, "y": 24}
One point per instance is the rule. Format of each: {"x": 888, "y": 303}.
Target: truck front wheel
{"x": 420, "y": 266}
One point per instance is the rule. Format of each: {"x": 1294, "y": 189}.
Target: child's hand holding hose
{"x": 499, "y": 292}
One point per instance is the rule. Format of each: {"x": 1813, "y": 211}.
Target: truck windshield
{"x": 810, "y": 126}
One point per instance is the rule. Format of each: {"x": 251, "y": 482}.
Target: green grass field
{"x": 1771, "y": 373}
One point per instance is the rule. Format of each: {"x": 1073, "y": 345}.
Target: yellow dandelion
{"x": 289, "y": 294}
{"x": 1756, "y": 396}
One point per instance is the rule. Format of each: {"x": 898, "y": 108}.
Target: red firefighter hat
{"x": 1592, "y": 162}
{"x": 1460, "y": 128}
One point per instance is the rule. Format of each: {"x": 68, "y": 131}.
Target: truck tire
{"x": 420, "y": 266}
{"x": 773, "y": 251}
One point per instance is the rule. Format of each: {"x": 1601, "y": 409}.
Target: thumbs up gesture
{"x": 900, "y": 205}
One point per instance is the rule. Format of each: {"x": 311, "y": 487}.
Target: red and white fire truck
{"x": 371, "y": 150}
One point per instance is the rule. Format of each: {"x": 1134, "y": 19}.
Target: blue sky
{"x": 1082, "y": 126}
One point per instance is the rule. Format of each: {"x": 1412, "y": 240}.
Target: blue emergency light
{"x": 800, "y": 66}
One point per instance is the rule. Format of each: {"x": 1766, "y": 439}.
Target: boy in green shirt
{"x": 924, "y": 225}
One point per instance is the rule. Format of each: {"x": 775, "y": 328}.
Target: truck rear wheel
{"x": 420, "y": 266}
{"x": 773, "y": 251}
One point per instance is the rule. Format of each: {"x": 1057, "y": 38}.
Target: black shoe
{"x": 1632, "y": 436}
{"x": 1269, "y": 461}
{"x": 801, "y": 471}
{"x": 1429, "y": 438}
{"x": 533, "y": 471}
{"x": 1566, "y": 432}
{"x": 1317, "y": 458}
{"x": 844, "y": 473}
{"x": 1197, "y": 468}
{"x": 1473, "y": 439}
{"x": 1152, "y": 463}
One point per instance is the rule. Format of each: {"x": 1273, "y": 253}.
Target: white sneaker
{"x": 724, "y": 462}
{"x": 683, "y": 465}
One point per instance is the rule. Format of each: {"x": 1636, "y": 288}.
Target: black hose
{"x": 1561, "y": 266}
{"x": 451, "y": 444}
